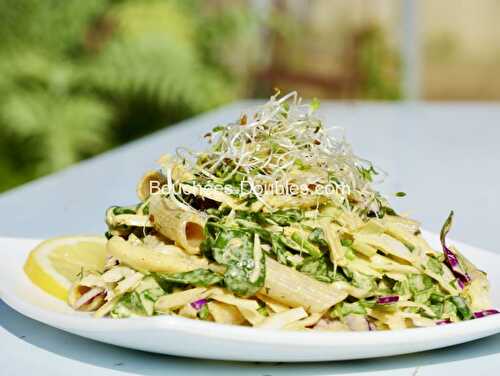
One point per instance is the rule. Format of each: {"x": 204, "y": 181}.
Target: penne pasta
{"x": 281, "y": 320}
{"x": 106, "y": 307}
{"x": 188, "y": 311}
{"x": 142, "y": 258}
{"x": 387, "y": 245}
{"x": 176, "y": 300}
{"x": 304, "y": 323}
{"x": 290, "y": 287}
{"x": 225, "y": 313}
{"x": 273, "y": 304}
{"x": 185, "y": 228}
{"x": 150, "y": 183}
{"x": 247, "y": 307}
{"x": 337, "y": 253}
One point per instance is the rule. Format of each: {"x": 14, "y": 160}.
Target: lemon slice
{"x": 56, "y": 263}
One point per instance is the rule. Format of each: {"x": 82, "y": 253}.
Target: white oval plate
{"x": 185, "y": 337}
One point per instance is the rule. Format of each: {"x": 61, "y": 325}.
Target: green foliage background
{"x": 79, "y": 77}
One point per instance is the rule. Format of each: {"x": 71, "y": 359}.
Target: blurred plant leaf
{"x": 52, "y": 25}
{"x": 76, "y": 77}
{"x": 66, "y": 128}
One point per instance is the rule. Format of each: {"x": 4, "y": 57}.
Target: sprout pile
{"x": 282, "y": 144}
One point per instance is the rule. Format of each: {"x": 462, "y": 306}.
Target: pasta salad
{"x": 277, "y": 225}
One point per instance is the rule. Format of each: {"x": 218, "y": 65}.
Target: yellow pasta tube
{"x": 407, "y": 237}
{"x": 337, "y": 252}
{"x": 295, "y": 289}
{"x": 106, "y": 307}
{"x": 273, "y": 304}
{"x": 406, "y": 223}
{"x": 280, "y": 320}
{"x": 143, "y": 258}
{"x": 167, "y": 303}
{"x": 387, "y": 244}
{"x": 225, "y": 313}
{"x": 247, "y": 307}
{"x": 363, "y": 248}
{"x": 304, "y": 323}
{"x": 188, "y": 311}
{"x": 150, "y": 183}
{"x": 184, "y": 227}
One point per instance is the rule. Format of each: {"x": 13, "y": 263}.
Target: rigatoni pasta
{"x": 184, "y": 227}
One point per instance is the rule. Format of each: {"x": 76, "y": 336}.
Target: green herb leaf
{"x": 279, "y": 250}
{"x": 463, "y": 310}
{"x": 349, "y": 253}
{"x": 286, "y": 217}
{"x": 343, "y": 309}
{"x": 363, "y": 281}
{"x": 203, "y": 312}
{"x": 117, "y": 210}
{"x": 263, "y": 311}
{"x": 320, "y": 269}
{"x": 317, "y": 236}
{"x": 435, "y": 266}
{"x": 218, "y": 128}
{"x": 315, "y": 103}
{"x": 446, "y": 228}
{"x": 306, "y": 245}
{"x": 198, "y": 277}
{"x": 234, "y": 248}
{"x": 419, "y": 283}
{"x": 130, "y": 304}
{"x": 346, "y": 242}
{"x": 367, "y": 173}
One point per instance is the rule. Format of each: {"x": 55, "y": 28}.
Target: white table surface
{"x": 445, "y": 156}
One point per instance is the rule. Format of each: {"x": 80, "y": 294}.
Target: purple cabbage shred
{"x": 442, "y": 322}
{"x": 388, "y": 299}
{"x": 450, "y": 258}
{"x": 199, "y": 304}
{"x": 486, "y": 312}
